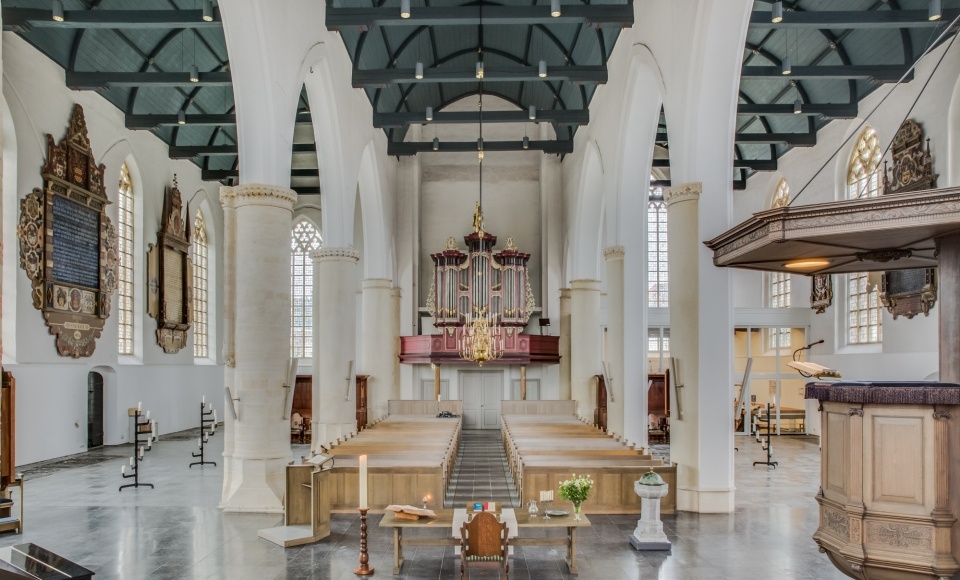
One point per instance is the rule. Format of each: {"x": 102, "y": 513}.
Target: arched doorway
{"x": 94, "y": 410}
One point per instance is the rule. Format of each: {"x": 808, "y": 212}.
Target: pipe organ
{"x": 480, "y": 281}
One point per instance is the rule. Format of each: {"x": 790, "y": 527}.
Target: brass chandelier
{"x": 480, "y": 338}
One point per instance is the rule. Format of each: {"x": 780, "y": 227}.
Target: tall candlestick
{"x": 363, "y": 482}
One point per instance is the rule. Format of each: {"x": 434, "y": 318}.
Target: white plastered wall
{"x": 909, "y": 350}
{"x": 52, "y": 390}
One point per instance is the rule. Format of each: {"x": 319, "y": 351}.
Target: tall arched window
{"x": 781, "y": 197}
{"x": 200, "y": 286}
{"x": 863, "y": 179}
{"x": 125, "y": 250}
{"x": 305, "y": 239}
{"x": 864, "y": 320}
{"x": 778, "y": 291}
{"x": 657, "y": 275}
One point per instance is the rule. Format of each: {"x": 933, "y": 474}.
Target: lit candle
{"x": 363, "y": 482}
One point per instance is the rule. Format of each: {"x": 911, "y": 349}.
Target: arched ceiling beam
{"x": 849, "y": 19}
{"x": 612, "y": 15}
{"x": 763, "y": 121}
{"x": 405, "y": 93}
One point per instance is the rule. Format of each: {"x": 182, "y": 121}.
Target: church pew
{"x": 544, "y": 450}
{"x": 409, "y": 457}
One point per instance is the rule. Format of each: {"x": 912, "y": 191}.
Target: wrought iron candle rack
{"x": 208, "y": 426}
{"x": 141, "y": 424}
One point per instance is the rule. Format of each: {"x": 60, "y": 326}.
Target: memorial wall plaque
{"x": 68, "y": 246}
{"x": 908, "y": 292}
{"x": 171, "y": 274}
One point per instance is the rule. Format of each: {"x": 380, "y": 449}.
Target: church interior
{"x": 670, "y": 287}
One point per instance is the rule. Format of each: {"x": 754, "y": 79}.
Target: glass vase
{"x": 577, "y": 509}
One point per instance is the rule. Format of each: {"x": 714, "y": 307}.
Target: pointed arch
{"x": 305, "y": 238}
{"x": 864, "y": 314}
{"x": 584, "y": 253}
{"x": 201, "y": 287}
{"x": 863, "y": 178}
{"x": 781, "y": 194}
{"x": 127, "y": 234}
{"x": 377, "y": 231}
{"x": 10, "y": 243}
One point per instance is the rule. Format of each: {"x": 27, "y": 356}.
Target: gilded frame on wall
{"x": 170, "y": 273}
{"x": 821, "y": 292}
{"x": 68, "y": 245}
{"x": 908, "y": 292}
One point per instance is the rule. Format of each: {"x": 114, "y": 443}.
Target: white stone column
{"x": 408, "y": 258}
{"x": 261, "y": 437}
{"x": 565, "y": 331}
{"x": 227, "y": 199}
{"x": 378, "y": 344}
{"x": 701, "y": 436}
{"x": 615, "y": 313}
{"x": 585, "y": 346}
{"x": 334, "y": 340}
{"x": 635, "y": 344}
{"x": 949, "y": 278}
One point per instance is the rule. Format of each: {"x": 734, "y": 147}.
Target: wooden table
{"x": 444, "y": 522}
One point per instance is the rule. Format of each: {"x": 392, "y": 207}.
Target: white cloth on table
{"x": 506, "y": 515}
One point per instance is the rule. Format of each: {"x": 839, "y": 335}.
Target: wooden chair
{"x": 484, "y": 543}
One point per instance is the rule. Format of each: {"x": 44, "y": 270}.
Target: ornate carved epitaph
{"x": 68, "y": 246}
{"x": 821, "y": 292}
{"x": 170, "y": 275}
{"x": 908, "y": 292}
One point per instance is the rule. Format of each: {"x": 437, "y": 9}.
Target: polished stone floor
{"x": 176, "y": 532}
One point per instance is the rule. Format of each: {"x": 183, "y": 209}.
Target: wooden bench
{"x": 410, "y": 457}
{"x": 543, "y": 450}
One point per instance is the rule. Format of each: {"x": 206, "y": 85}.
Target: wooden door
{"x": 471, "y": 391}
{"x": 303, "y": 397}
{"x": 600, "y": 415}
{"x": 8, "y": 430}
{"x": 481, "y": 392}
{"x": 361, "y": 402}
{"x": 492, "y": 395}
{"x": 658, "y": 396}
{"x": 94, "y": 410}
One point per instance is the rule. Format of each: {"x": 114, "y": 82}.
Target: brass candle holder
{"x": 364, "y": 569}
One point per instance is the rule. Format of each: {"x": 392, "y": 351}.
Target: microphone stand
{"x": 796, "y": 356}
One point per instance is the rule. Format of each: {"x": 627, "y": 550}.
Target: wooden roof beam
{"x": 848, "y": 19}
{"x": 560, "y": 116}
{"x": 79, "y": 81}
{"x": 383, "y": 77}
{"x": 27, "y": 18}
{"x": 591, "y": 15}
{"x": 561, "y": 146}
{"x": 881, "y": 72}
{"x": 154, "y": 121}
{"x": 831, "y": 110}
{"x": 191, "y": 151}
